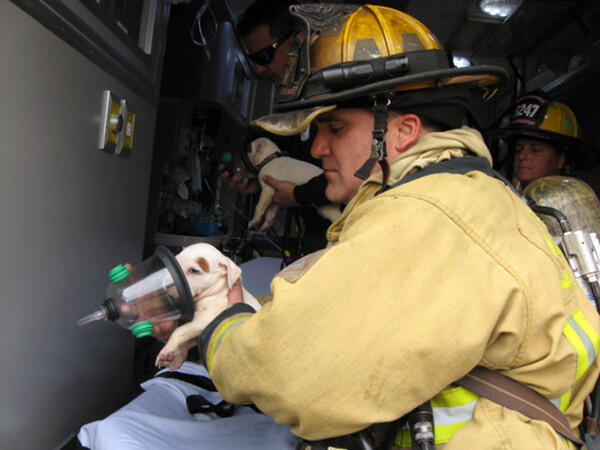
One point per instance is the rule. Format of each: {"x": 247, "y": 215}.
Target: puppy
{"x": 210, "y": 276}
{"x": 283, "y": 168}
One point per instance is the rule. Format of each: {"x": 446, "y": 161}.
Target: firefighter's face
{"x": 535, "y": 159}
{"x": 269, "y": 53}
{"x": 343, "y": 144}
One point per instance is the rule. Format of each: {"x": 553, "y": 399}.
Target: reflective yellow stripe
{"x": 584, "y": 338}
{"x": 444, "y": 433}
{"x": 452, "y": 410}
{"x": 555, "y": 249}
{"x": 582, "y": 359}
{"x": 590, "y": 332}
{"x": 403, "y": 438}
{"x": 455, "y": 396}
{"x": 531, "y": 213}
{"x": 221, "y": 334}
{"x": 563, "y": 401}
{"x": 566, "y": 282}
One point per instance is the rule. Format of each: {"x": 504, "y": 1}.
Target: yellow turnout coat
{"x": 419, "y": 285}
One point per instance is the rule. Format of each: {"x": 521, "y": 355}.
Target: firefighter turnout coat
{"x": 419, "y": 285}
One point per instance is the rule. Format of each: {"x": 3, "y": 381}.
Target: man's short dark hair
{"x": 273, "y": 13}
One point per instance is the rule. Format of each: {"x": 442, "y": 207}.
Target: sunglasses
{"x": 265, "y": 56}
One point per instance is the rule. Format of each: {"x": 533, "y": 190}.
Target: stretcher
{"x": 159, "y": 419}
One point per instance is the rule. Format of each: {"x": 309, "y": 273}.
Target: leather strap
{"x": 518, "y": 397}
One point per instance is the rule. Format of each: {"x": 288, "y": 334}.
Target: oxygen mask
{"x": 154, "y": 291}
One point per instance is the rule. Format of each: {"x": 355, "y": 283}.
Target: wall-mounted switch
{"x": 117, "y": 127}
{"x": 111, "y": 122}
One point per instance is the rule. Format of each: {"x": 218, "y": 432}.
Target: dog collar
{"x": 267, "y": 161}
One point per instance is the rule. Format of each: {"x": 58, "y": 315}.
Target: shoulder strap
{"x": 516, "y": 396}
{"x": 459, "y": 166}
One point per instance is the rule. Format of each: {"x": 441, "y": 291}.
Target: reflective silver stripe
{"x": 454, "y": 415}
{"x": 587, "y": 342}
{"x": 557, "y": 402}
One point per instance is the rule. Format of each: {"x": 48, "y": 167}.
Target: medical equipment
{"x": 238, "y": 164}
{"x": 570, "y": 209}
{"x": 155, "y": 290}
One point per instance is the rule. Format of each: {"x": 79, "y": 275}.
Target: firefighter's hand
{"x": 235, "y": 294}
{"x": 163, "y": 330}
{"x": 245, "y": 186}
{"x": 284, "y": 191}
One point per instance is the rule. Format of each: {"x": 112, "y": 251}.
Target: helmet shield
{"x": 313, "y": 18}
{"x": 290, "y": 123}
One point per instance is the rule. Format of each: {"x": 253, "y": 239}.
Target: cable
{"x": 197, "y": 25}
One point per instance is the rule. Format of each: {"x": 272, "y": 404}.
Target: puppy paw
{"x": 164, "y": 359}
{"x": 170, "y": 359}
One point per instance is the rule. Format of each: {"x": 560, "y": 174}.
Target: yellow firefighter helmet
{"x": 351, "y": 53}
{"x": 560, "y": 119}
{"x": 370, "y": 32}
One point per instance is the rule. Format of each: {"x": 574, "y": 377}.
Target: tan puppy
{"x": 210, "y": 275}
{"x": 283, "y": 168}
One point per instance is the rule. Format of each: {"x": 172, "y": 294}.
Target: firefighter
{"x": 435, "y": 267}
{"x": 543, "y": 140}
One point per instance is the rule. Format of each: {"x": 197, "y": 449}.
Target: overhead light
{"x": 499, "y": 8}
{"x": 461, "y": 61}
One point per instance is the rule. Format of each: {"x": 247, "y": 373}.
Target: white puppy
{"x": 210, "y": 275}
{"x": 282, "y": 168}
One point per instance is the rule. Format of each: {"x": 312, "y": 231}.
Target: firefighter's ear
{"x": 404, "y": 130}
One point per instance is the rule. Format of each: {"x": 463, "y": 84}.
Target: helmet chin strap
{"x": 378, "y": 145}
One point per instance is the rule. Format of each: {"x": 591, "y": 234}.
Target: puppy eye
{"x": 193, "y": 271}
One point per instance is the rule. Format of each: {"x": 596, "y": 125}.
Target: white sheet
{"x": 158, "y": 419}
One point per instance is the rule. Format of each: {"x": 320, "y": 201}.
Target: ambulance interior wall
{"x": 69, "y": 213}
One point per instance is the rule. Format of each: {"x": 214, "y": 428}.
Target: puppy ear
{"x": 233, "y": 271}
{"x": 203, "y": 263}
{"x": 259, "y": 146}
